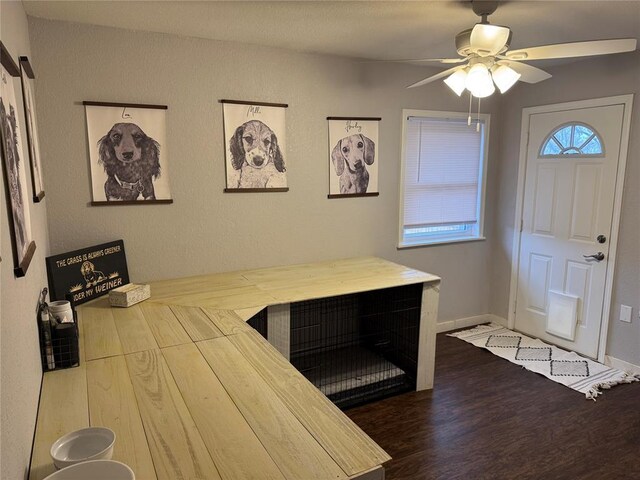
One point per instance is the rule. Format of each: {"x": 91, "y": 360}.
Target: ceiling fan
{"x": 486, "y": 61}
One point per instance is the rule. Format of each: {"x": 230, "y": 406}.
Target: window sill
{"x": 402, "y": 246}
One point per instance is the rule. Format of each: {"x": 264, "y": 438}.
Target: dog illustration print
{"x": 350, "y": 158}
{"x": 12, "y": 157}
{"x": 131, "y": 161}
{"x": 256, "y": 154}
{"x": 91, "y": 275}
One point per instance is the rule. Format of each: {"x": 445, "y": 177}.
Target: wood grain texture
{"x": 64, "y": 407}
{"x": 196, "y": 323}
{"x": 376, "y": 473}
{"x": 133, "y": 330}
{"x": 164, "y": 325}
{"x": 234, "y": 447}
{"x": 100, "y": 333}
{"x": 285, "y": 284}
{"x": 177, "y": 448}
{"x": 228, "y": 321}
{"x": 248, "y": 313}
{"x": 484, "y": 412}
{"x": 347, "y": 444}
{"x": 295, "y": 451}
{"x": 427, "y": 336}
{"x": 112, "y": 403}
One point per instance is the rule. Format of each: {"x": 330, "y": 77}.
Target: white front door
{"x": 572, "y": 163}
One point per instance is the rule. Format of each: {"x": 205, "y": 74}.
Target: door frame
{"x": 627, "y": 102}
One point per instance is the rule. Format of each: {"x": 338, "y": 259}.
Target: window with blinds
{"x": 442, "y": 177}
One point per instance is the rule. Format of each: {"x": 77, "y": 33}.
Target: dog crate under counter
{"x": 354, "y": 348}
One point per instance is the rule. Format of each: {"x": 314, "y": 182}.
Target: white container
{"x": 94, "y": 470}
{"x": 61, "y": 310}
{"x": 129, "y": 294}
{"x": 93, "y": 443}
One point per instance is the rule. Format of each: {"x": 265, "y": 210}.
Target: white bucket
{"x": 61, "y": 311}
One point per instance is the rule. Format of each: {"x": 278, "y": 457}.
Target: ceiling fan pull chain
{"x": 469, "y": 118}
{"x": 478, "y": 124}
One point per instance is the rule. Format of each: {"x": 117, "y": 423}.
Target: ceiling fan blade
{"x": 487, "y": 39}
{"x": 416, "y": 60}
{"x": 528, "y": 73}
{"x": 576, "y": 49}
{"x": 434, "y": 77}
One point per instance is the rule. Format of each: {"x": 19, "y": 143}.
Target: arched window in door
{"x": 572, "y": 139}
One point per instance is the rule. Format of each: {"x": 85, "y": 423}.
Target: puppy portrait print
{"x": 127, "y": 146}
{"x": 13, "y": 155}
{"x": 255, "y": 141}
{"x": 353, "y": 156}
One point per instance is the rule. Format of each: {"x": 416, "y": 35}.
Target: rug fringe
{"x": 596, "y": 388}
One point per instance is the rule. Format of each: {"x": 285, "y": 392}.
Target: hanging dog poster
{"x": 28, "y": 94}
{"x": 255, "y": 143}
{"x": 128, "y": 154}
{"x": 88, "y": 273}
{"x": 353, "y": 156}
{"x": 14, "y": 171}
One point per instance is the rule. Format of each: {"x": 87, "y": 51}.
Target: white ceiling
{"x": 363, "y": 29}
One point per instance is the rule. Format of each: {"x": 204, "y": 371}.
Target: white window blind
{"x": 443, "y": 172}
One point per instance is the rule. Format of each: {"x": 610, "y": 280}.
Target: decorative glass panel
{"x": 572, "y": 139}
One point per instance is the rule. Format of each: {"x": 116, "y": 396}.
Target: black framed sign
{"x": 88, "y": 273}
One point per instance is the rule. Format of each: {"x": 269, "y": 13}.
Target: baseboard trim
{"x": 621, "y": 364}
{"x": 469, "y": 322}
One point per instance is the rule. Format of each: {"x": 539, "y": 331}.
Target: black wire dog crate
{"x": 356, "y": 348}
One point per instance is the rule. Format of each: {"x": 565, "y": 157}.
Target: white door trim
{"x": 627, "y": 102}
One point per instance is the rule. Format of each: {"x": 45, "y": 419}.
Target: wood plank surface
{"x": 167, "y": 289}
{"x": 427, "y": 336}
{"x": 177, "y": 448}
{"x": 347, "y": 444}
{"x": 196, "y": 323}
{"x": 133, "y": 330}
{"x": 228, "y": 321}
{"x": 234, "y": 447}
{"x": 164, "y": 325}
{"x": 100, "y": 334}
{"x": 295, "y": 451}
{"x": 112, "y": 403}
{"x": 248, "y": 313}
{"x": 63, "y": 408}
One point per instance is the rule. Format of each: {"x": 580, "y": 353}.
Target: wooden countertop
{"x": 193, "y": 392}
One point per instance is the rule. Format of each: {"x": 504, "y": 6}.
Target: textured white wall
{"x": 594, "y": 78}
{"x": 206, "y": 230}
{"x": 20, "y": 371}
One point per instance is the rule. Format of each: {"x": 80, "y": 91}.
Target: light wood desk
{"x": 193, "y": 392}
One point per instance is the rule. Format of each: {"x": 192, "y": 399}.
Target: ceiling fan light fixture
{"x": 479, "y": 82}
{"x": 456, "y": 81}
{"x": 483, "y": 89}
{"x": 504, "y": 77}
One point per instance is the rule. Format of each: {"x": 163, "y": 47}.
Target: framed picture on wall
{"x": 353, "y": 159}
{"x": 255, "y": 143}
{"x": 14, "y": 172}
{"x": 28, "y": 95}
{"x": 128, "y": 154}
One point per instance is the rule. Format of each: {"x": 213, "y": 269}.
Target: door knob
{"x": 596, "y": 256}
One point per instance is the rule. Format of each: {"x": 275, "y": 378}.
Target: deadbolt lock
{"x": 601, "y": 238}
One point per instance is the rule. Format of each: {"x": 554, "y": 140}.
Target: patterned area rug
{"x": 567, "y": 368}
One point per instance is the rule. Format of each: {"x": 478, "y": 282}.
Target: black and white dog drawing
{"x": 91, "y": 275}
{"x": 350, "y": 158}
{"x": 12, "y": 158}
{"x": 256, "y": 154}
{"x": 131, "y": 160}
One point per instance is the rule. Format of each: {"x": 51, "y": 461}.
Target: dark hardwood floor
{"x": 487, "y": 418}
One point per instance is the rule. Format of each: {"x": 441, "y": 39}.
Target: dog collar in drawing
{"x": 130, "y": 186}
